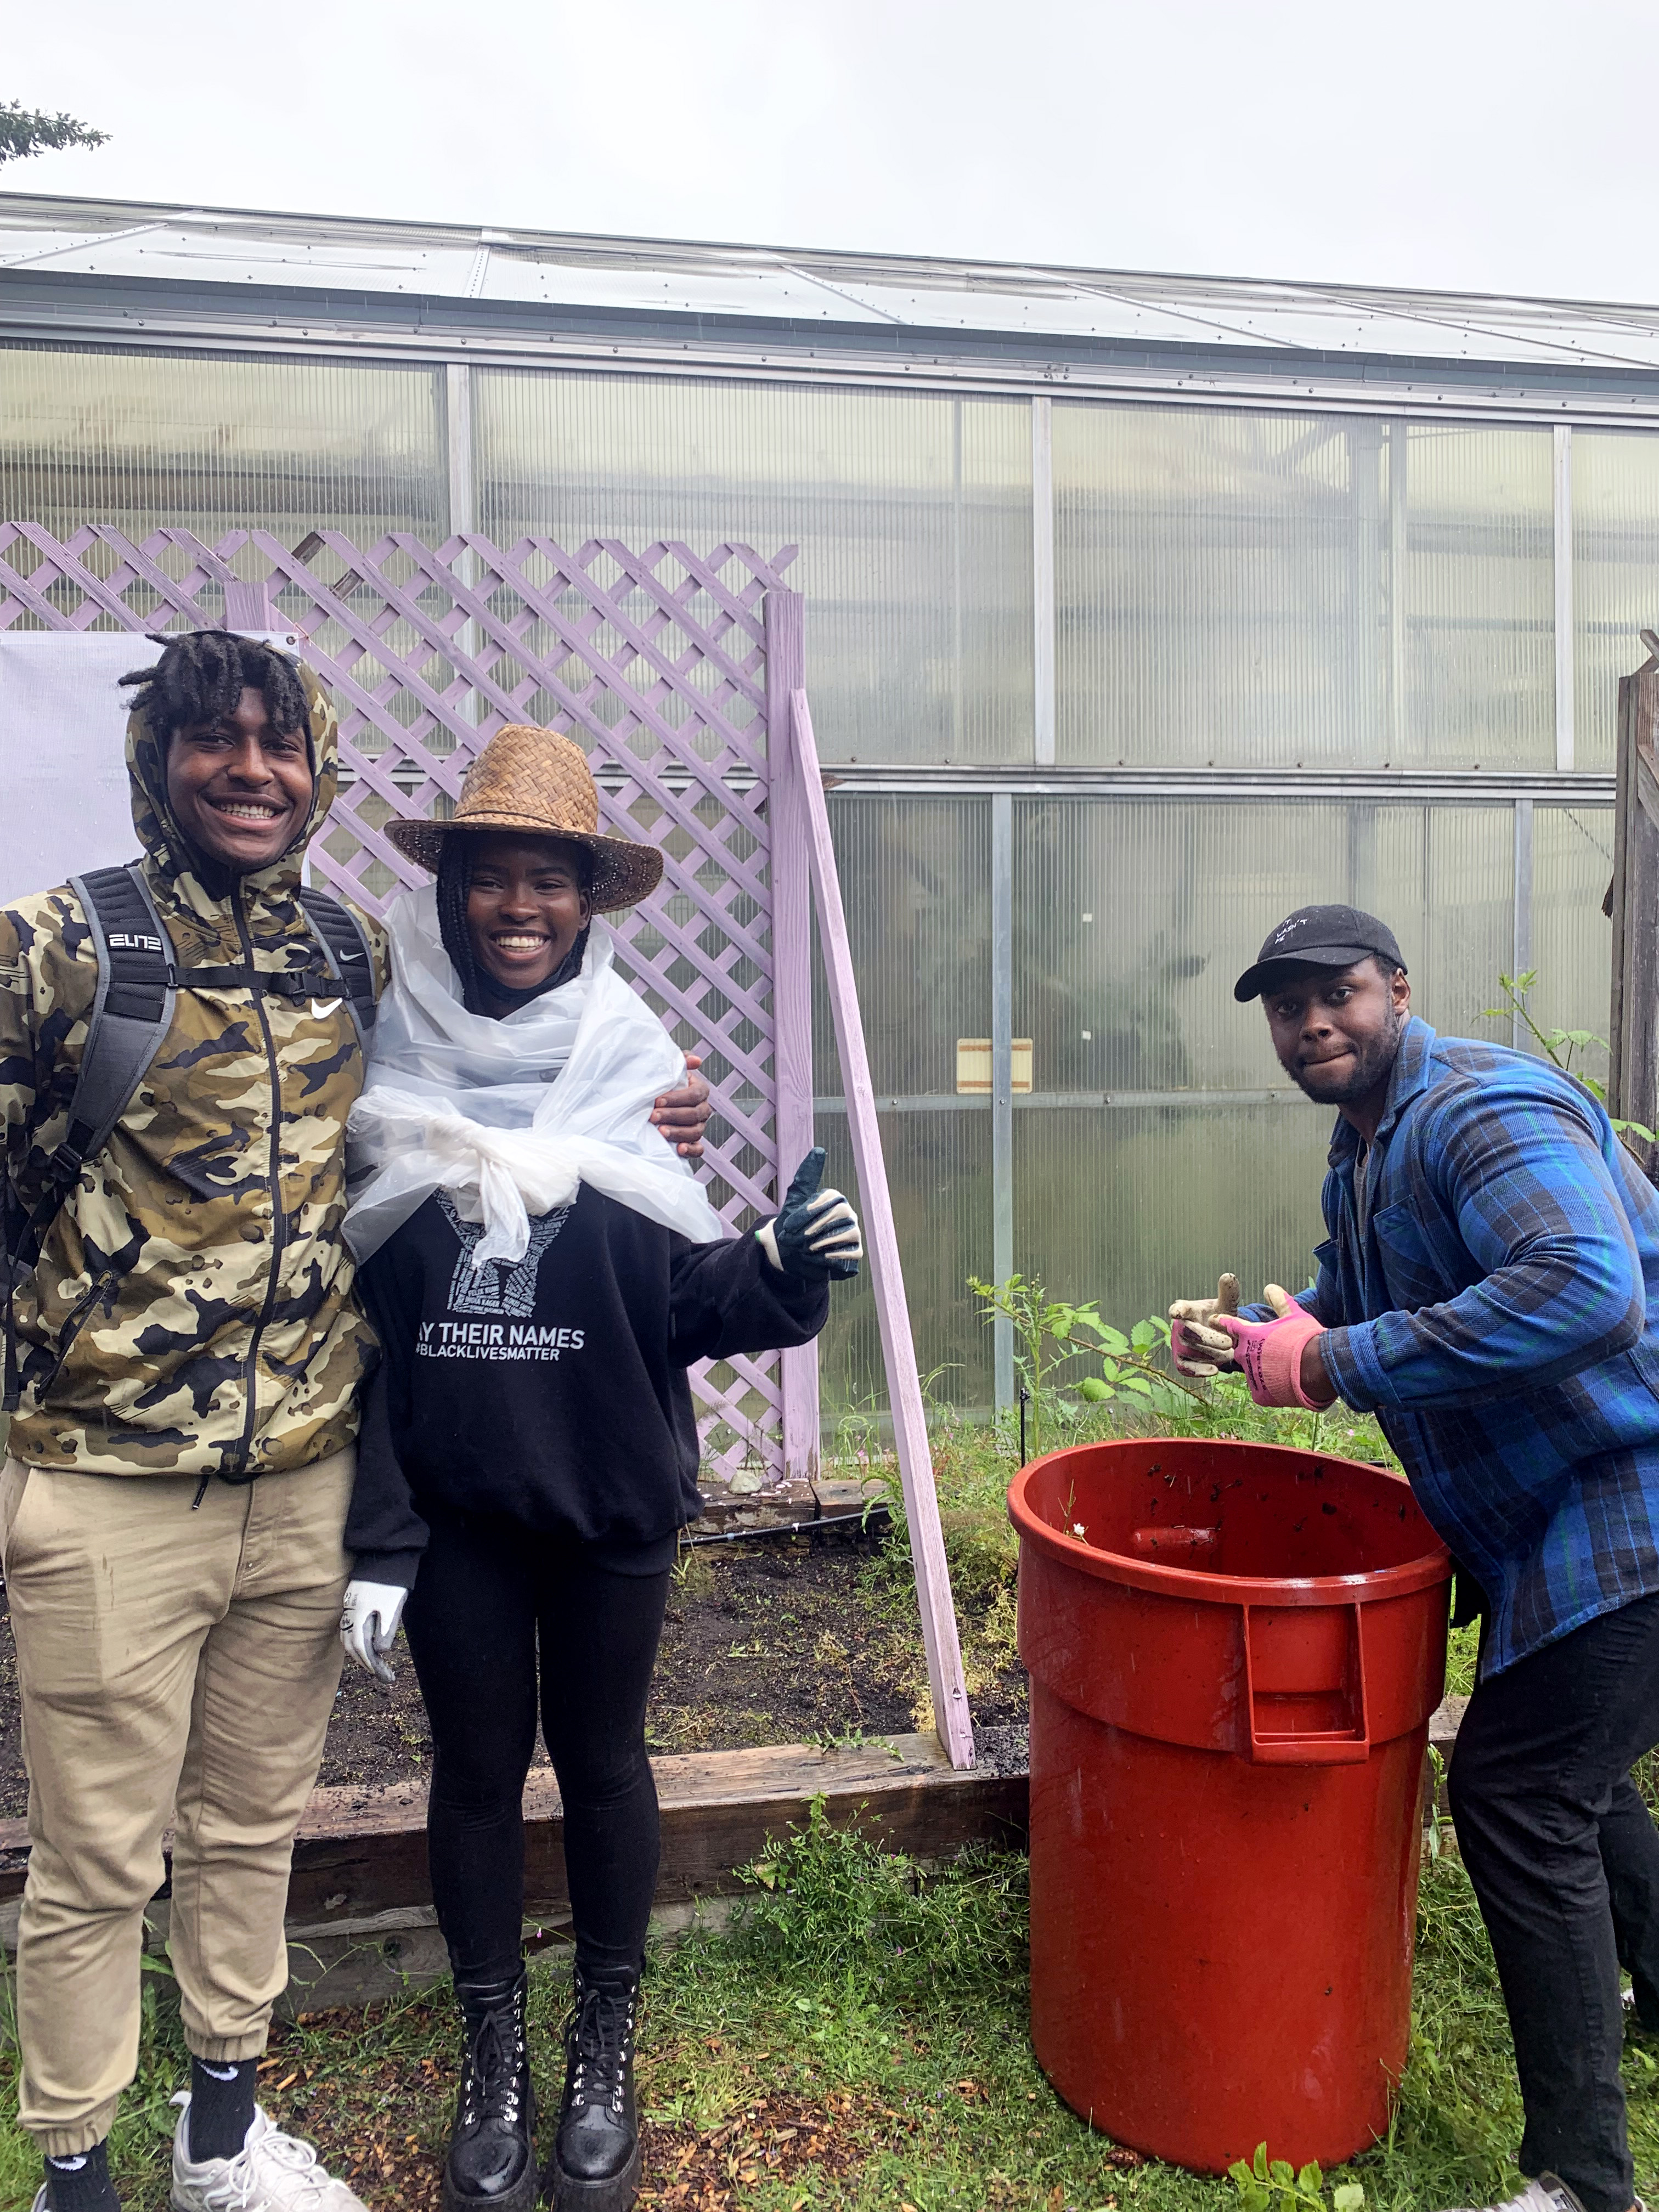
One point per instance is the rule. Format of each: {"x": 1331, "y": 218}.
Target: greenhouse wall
{"x": 1324, "y": 657}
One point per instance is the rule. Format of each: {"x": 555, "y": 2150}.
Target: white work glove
{"x": 1197, "y": 1347}
{"x": 368, "y": 1624}
{"x": 816, "y": 1232}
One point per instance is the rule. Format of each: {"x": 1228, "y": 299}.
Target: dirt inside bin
{"x": 780, "y": 1641}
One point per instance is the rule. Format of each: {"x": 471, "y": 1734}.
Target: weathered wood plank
{"x": 1633, "y": 1027}
{"x": 364, "y": 1851}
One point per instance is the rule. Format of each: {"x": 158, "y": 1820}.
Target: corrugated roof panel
{"x": 124, "y": 242}
{"x": 1041, "y": 311}
{"x": 208, "y": 256}
{"x": 16, "y": 243}
{"x": 776, "y": 294}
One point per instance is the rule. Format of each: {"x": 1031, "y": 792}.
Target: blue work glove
{"x": 816, "y": 1232}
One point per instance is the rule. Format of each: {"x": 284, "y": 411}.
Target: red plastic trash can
{"x": 1234, "y": 1652}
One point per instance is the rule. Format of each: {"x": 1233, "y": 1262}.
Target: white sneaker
{"x": 1549, "y": 2193}
{"x": 272, "y": 2173}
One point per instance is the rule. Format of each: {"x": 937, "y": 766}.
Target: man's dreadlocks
{"x": 201, "y": 678}
{"x": 482, "y": 994}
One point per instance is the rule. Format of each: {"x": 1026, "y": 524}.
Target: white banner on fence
{"x": 65, "y": 804}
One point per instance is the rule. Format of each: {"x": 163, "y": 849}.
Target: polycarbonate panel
{"x": 1299, "y": 591}
{"x": 1480, "y": 600}
{"x": 915, "y": 880}
{"x": 939, "y": 1169}
{"x": 1571, "y": 938}
{"x": 196, "y": 443}
{"x": 1136, "y": 1207}
{"x": 913, "y": 514}
{"x": 1444, "y": 879}
{"x": 1133, "y": 919}
{"x": 1615, "y": 577}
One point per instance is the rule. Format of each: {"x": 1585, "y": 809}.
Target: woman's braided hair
{"x": 454, "y": 883}
{"x": 201, "y": 678}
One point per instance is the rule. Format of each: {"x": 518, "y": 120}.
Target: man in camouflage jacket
{"x": 189, "y": 1327}
{"x": 190, "y": 1316}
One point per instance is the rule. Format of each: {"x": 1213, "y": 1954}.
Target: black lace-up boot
{"x": 597, "y": 2166}
{"x": 491, "y": 2166}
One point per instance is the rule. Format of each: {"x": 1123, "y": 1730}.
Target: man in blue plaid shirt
{"x": 1490, "y": 1290}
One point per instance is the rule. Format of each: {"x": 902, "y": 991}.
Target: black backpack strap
{"x": 344, "y": 967}
{"x": 131, "y": 1013}
{"x": 341, "y": 936}
{"x": 265, "y": 982}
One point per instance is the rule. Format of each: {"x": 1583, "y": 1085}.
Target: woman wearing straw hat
{"x": 541, "y": 1271}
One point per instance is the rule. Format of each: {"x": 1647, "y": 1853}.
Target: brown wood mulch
{"x": 775, "y": 2137}
{"x": 383, "y": 2125}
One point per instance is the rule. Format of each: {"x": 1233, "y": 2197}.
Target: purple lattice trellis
{"x": 656, "y": 661}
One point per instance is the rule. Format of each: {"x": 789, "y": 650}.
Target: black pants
{"x": 1564, "y": 1860}
{"x": 488, "y": 1593}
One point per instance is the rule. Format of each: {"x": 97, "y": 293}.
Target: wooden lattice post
{"x": 1634, "y": 1030}
{"x": 791, "y": 985}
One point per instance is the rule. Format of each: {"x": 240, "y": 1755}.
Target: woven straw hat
{"x": 539, "y": 784}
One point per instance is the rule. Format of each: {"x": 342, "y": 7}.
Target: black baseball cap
{"x": 1319, "y": 937}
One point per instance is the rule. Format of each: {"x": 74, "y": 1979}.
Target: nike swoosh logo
{"x": 321, "y": 1013}
{"x": 216, "y": 2073}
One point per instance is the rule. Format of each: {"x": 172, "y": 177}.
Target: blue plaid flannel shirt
{"x": 1500, "y": 1315}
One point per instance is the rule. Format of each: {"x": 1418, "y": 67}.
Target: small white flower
{"x": 1078, "y": 1528}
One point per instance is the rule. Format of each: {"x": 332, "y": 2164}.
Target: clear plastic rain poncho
{"x": 510, "y": 1116}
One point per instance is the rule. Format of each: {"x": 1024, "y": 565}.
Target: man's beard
{"x": 1369, "y": 1067}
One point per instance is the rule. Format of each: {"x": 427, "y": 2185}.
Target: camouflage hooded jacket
{"x": 191, "y": 1312}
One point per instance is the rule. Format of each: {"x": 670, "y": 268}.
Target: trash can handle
{"x": 1348, "y": 1747}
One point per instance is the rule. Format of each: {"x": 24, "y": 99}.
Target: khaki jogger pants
{"x": 173, "y": 1665}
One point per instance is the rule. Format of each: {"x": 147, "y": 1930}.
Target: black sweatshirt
{"x": 552, "y": 1392}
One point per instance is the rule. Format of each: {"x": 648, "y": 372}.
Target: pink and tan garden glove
{"x": 1270, "y": 1352}
{"x": 1197, "y": 1347}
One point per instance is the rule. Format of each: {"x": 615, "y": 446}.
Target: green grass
{"x": 881, "y": 2013}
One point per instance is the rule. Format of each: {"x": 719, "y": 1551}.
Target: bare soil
{"x": 771, "y": 1642}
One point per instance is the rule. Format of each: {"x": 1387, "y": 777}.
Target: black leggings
{"x": 487, "y": 1594}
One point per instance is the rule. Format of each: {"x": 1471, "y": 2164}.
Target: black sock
{"x": 220, "y": 2106}
{"x": 82, "y": 2184}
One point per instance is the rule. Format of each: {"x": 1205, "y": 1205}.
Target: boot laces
{"x": 495, "y": 2068}
{"x": 602, "y": 2041}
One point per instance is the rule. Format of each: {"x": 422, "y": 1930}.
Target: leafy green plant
{"x": 1048, "y": 1334}
{"x": 1559, "y": 1046}
{"x": 1131, "y": 1367}
{"x": 1273, "y": 2185}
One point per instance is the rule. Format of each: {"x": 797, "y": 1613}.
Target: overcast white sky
{"x": 1489, "y": 145}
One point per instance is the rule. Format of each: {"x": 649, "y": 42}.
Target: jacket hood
{"x": 165, "y": 842}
